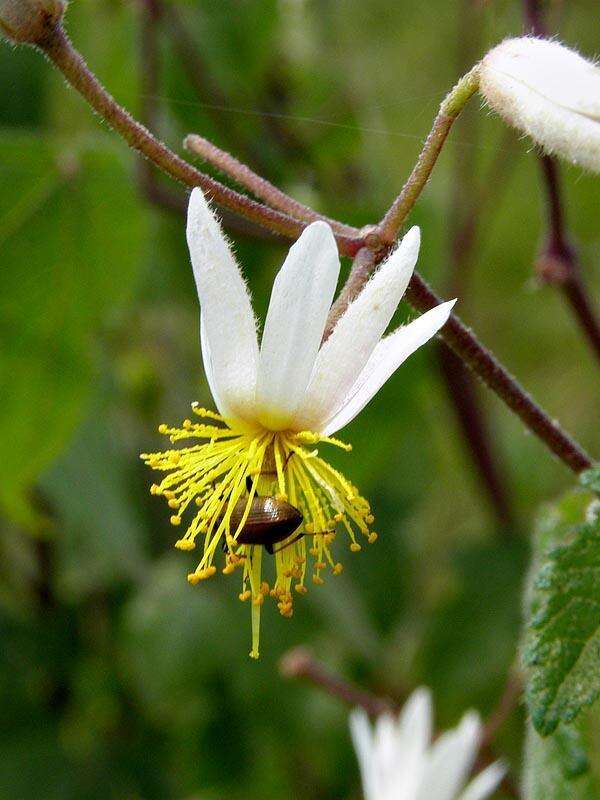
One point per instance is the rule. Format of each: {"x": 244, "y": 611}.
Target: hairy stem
{"x": 449, "y": 110}
{"x": 484, "y": 364}
{"x": 260, "y": 187}
{"x": 63, "y": 55}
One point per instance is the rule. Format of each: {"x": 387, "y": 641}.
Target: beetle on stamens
{"x": 270, "y": 520}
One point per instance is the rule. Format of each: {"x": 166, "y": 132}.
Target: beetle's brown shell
{"x": 270, "y": 520}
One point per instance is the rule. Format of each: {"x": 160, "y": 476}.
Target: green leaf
{"x": 70, "y": 245}
{"x": 562, "y": 645}
{"x": 556, "y": 767}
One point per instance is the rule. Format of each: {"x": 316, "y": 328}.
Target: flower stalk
{"x": 450, "y": 108}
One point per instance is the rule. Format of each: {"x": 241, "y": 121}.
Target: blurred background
{"x": 117, "y": 678}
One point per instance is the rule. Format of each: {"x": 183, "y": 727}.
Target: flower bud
{"x": 548, "y": 91}
{"x": 30, "y": 21}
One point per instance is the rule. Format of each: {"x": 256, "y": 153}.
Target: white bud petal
{"x": 30, "y": 21}
{"x": 548, "y": 91}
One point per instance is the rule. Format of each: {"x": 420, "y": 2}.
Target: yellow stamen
{"x": 210, "y": 476}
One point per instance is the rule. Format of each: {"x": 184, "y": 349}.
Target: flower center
{"x": 255, "y": 490}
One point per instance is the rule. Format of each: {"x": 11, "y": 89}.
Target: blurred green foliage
{"x": 118, "y": 679}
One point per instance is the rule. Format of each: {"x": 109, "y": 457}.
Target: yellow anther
{"x": 174, "y": 458}
{"x": 245, "y": 595}
{"x": 339, "y": 517}
{"x": 162, "y": 428}
{"x": 318, "y": 580}
{"x": 301, "y": 588}
{"x": 194, "y": 578}
{"x": 264, "y": 587}
{"x": 314, "y": 551}
{"x": 199, "y": 501}
{"x": 355, "y": 547}
{"x": 372, "y": 537}
{"x": 175, "y": 520}
{"x": 369, "y": 519}
{"x": 168, "y": 494}
{"x": 258, "y": 600}
{"x": 186, "y": 424}
{"x": 210, "y": 571}
{"x": 228, "y": 569}
{"x": 155, "y": 489}
{"x": 338, "y": 569}
{"x": 185, "y": 544}
{"x": 300, "y": 560}
{"x": 320, "y": 565}
{"x": 174, "y": 503}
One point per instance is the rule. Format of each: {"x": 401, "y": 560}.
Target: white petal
{"x": 450, "y": 760}
{"x": 345, "y": 353}
{"x": 208, "y": 369}
{"x": 362, "y": 738}
{"x": 300, "y": 301}
{"x": 229, "y": 327}
{"x": 485, "y": 783}
{"x": 386, "y": 757}
{"x": 389, "y": 354}
{"x": 413, "y": 734}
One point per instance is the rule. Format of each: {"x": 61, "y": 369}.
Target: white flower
{"x": 398, "y": 762}
{"x": 290, "y": 381}
{"x": 277, "y": 402}
{"x": 548, "y": 91}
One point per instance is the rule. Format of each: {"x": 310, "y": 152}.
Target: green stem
{"x": 450, "y": 108}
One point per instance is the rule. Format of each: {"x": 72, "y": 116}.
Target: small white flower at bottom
{"x": 398, "y": 761}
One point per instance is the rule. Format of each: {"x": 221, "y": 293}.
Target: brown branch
{"x": 299, "y": 663}
{"x": 63, "y": 55}
{"x": 259, "y": 186}
{"x": 484, "y": 364}
{"x": 557, "y": 262}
